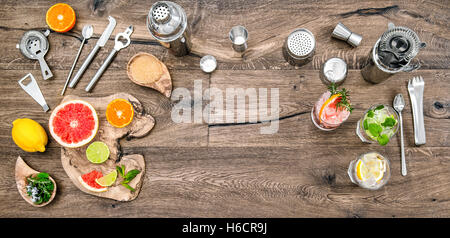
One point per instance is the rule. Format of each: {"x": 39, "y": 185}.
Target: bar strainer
{"x": 299, "y": 47}
{"x": 34, "y": 45}
{"x": 393, "y": 52}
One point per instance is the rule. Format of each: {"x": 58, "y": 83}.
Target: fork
{"x": 415, "y": 89}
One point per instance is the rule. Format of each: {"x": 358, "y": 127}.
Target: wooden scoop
{"x": 23, "y": 171}
{"x": 147, "y": 70}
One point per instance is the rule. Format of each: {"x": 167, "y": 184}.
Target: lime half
{"x": 97, "y": 152}
{"x": 108, "y": 179}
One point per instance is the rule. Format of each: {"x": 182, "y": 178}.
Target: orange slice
{"x": 60, "y": 17}
{"x": 327, "y": 103}
{"x": 119, "y": 112}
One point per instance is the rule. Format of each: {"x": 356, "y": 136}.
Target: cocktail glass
{"x": 333, "y": 117}
{"x": 370, "y": 171}
{"x": 378, "y": 124}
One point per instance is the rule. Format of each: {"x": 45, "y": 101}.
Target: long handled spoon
{"x": 399, "y": 104}
{"x": 87, "y": 33}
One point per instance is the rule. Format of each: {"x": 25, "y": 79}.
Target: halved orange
{"x": 330, "y": 101}
{"x": 60, "y": 17}
{"x": 119, "y": 112}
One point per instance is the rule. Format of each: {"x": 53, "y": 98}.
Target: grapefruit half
{"x": 88, "y": 181}
{"x": 73, "y": 123}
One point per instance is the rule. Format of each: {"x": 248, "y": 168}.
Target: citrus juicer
{"x": 392, "y": 53}
{"x": 167, "y": 23}
{"x": 34, "y": 45}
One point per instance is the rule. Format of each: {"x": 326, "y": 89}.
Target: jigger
{"x": 341, "y": 32}
{"x": 239, "y": 36}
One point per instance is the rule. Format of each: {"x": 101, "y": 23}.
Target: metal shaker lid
{"x": 334, "y": 70}
{"x": 166, "y": 21}
{"x": 301, "y": 43}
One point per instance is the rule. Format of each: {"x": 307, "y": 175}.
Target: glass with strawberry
{"x": 332, "y": 109}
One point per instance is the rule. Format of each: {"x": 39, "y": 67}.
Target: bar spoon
{"x": 87, "y": 32}
{"x": 399, "y": 104}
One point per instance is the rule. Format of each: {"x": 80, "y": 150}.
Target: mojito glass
{"x": 378, "y": 125}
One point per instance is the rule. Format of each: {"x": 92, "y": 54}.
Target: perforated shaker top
{"x": 161, "y": 13}
{"x": 301, "y": 42}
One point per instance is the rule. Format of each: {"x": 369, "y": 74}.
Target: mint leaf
{"x": 120, "y": 170}
{"x": 389, "y": 122}
{"x": 383, "y": 139}
{"x": 379, "y": 107}
{"x": 375, "y": 129}
{"x": 129, "y": 187}
{"x": 366, "y": 124}
{"x": 42, "y": 175}
{"x": 370, "y": 114}
{"x": 131, "y": 175}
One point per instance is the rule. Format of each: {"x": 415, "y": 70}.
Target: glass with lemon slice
{"x": 371, "y": 170}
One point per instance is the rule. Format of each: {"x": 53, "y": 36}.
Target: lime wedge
{"x": 97, "y": 152}
{"x": 108, "y": 179}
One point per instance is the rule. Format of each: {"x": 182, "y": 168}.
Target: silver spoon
{"x": 87, "y": 32}
{"x": 399, "y": 104}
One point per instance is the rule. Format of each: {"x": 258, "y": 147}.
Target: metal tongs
{"x": 117, "y": 47}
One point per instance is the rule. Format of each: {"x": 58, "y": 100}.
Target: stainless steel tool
{"x": 334, "y": 70}
{"x": 87, "y": 33}
{"x": 32, "y": 88}
{"x": 341, "y": 32}
{"x": 299, "y": 47}
{"x": 392, "y": 53}
{"x": 34, "y": 45}
{"x": 415, "y": 89}
{"x": 167, "y": 23}
{"x": 100, "y": 43}
{"x": 119, "y": 44}
{"x": 208, "y": 63}
{"x": 399, "y": 104}
{"x": 239, "y": 36}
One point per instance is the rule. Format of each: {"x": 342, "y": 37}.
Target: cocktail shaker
{"x": 167, "y": 23}
{"x": 392, "y": 53}
{"x": 298, "y": 49}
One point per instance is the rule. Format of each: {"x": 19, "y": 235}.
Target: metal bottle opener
{"x": 117, "y": 47}
{"x": 34, "y": 45}
{"x": 33, "y": 90}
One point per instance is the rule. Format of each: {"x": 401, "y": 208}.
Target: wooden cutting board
{"x": 75, "y": 162}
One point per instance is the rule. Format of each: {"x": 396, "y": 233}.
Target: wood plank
{"x": 300, "y": 90}
{"x": 165, "y": 132}
{"x": 231, "y": 170}
{"x": 210, "y": 23}
{"x": 261, "y": 182}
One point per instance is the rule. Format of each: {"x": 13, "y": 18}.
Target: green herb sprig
{"x": 127, "y": 177}
{"x": 343, "y": 102}
{"x": 40, "y": 188}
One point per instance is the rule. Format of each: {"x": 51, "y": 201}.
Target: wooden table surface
{"x": 231, "y": 170}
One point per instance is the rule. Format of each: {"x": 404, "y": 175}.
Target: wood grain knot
{"x": 439, "y": 110}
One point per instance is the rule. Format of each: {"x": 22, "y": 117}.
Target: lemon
{"x": 97, "y": 152}
{"x": 108, "y": 179}
{"x": 29, "y": 135}
{"x": 371, "y": 166}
